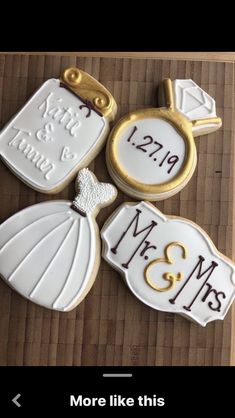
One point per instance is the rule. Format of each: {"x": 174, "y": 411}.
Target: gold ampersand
{"x": 172, "y": 278}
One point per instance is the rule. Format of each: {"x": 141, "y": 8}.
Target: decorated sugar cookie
{"x": 169, "y": 262}
{"x": 151, "y": 153}
{"x": 195, "y": 104}
{"x": 58, "y": 131}
{"x": 50, "y": 252}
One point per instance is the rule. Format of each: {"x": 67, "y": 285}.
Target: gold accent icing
{"x": 170, "y": 104}
{"x": 167, "y": 84}
{"x": 88, "y": 88}
{"x": 170, "y": 277}
{"x": 207, "y": 121}
{"x": 169, "y": 96}
{"x": 179, "y": 122}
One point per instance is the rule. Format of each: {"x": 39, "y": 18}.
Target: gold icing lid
{"x": 90, "y": 90}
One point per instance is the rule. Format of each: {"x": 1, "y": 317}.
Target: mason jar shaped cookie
{"x": 59, "y": 130}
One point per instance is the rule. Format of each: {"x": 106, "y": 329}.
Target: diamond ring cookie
{"x": 151, "y": 153}
{"x": 169, "y": 262}
{"x": 50, "y": 252}
{"x": 59, "y": 130}
{"x": 195, "y": 104}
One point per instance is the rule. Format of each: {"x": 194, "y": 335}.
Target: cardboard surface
{"x": 112, "y": 327}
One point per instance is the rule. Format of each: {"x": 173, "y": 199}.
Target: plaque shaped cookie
{"x": 169, "y": 263}
{"x": 58, "y": 131}
{"x": 50, "y": 252}
{"x": 151, "y": 153}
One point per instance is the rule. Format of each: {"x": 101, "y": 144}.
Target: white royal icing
{"x": 136, "y": 235}
{"x": 92, "y": 193}
{"x": 147, "y": 148}
{"x": 48, "y": 252}
{"x": 193, "y": 102}
{"x": 146, "y": 195}
{"x": 52, "y": 135}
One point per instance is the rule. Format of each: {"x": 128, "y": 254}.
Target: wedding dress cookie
{"x": 151, "y": 153}
{"x": 60, "y": 130}
{"x": 50, "y": 252}
{"x": 169, "y": 263}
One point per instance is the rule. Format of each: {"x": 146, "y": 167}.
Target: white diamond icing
{"x": 193, "y": 102}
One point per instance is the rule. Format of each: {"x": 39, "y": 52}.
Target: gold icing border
{"x": 207, "y": 121}
{"x": 179, "y": 122}
{"x": 170, "y": 104}
{"x": 89, "y": 89}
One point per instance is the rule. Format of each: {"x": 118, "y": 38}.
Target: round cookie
{"x": 169, "y": 262}
{"x": 59, "y": 130}
{"x": 50, "y": 252}
{"x": 151, "y": 153}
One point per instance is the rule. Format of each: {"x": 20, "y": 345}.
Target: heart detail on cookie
{"x": 66, "y": 155}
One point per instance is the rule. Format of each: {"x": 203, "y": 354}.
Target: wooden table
{"x": 201, "y": 56}
{"x": 111, "y": 327}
